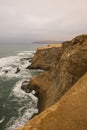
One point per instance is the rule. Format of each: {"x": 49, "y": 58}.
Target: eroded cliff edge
{"x": 70, "y": 65}
{"x": 68, "y": 68}
{"x": 46, "y": 56}
{"x": 68, "y": 114}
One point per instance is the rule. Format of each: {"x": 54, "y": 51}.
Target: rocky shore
{"x": 62, "y": 87}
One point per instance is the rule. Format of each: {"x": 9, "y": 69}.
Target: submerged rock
{"x": 31, "y": 67}
{"x": 28, "y": 89}
{"x": 24, "y": 59}
{"x": 24, "y": 86}
{"x": 6, "y": 71}
{"x": 17, "y": 70}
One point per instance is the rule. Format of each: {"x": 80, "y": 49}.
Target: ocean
{"x": 16, "y": 106}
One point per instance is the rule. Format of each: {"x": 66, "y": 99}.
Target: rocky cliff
{"x": 68, "y": 114}
{"x": 69, "y": 65}
{"x": 45, "y": 57}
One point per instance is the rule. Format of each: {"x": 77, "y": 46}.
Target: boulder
{"x": 24, "y": 86}
{"x": 17, "y": 70}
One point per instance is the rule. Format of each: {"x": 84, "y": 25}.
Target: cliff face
{"x": 45, "y": 57}
{"x": 67, "y": 68}
{"x": 68, "y": 114}
{"x": 72, "y": 65}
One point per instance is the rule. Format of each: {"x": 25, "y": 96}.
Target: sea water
{"x": 16, "y": 106}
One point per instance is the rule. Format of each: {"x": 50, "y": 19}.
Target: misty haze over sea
{"x": 7, "y": 49}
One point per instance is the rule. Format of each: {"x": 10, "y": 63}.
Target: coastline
{"x": 63, "y": 70}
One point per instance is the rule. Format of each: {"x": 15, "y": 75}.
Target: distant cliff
{"x": 62, "y": 109}
{"x": 46, "y": 42}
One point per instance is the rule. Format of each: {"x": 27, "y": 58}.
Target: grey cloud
{"x": 41, "y": 20}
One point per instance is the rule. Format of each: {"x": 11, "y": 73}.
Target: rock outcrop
{"x": 72, "y": 65}
{"x": 45, "y": 57}
{"x": 68, "y": 114}
{"x": 67, "y": 68}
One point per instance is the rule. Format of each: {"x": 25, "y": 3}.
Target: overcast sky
{"x": 33, "y": 20}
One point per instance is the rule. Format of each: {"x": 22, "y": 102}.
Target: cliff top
{"x": 63, "y": 88}
{"x": 50, "y": 46}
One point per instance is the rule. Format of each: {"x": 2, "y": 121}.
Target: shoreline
{"x": 59, "y": 90}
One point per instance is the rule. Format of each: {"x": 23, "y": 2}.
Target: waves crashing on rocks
{"x": 22, "y": 105}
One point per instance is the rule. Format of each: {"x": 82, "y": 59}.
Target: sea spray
{"x": 28, "y": 106}
{"x": 16, "y": 106}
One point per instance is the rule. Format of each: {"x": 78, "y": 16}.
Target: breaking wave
{"x": 25, "y": 104}
{"x": 9, "y": 65}
{"x": 27, "y": 108}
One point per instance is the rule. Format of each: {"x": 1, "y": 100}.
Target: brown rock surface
{"x": 70, "y": 113}
{"x": 70, "y": 65}
{"x": 46, "y": 56}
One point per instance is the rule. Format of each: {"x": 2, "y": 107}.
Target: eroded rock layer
{"x": 45, "y": 57}
{"x": 68, "y": 112}
{"x": 72, "y": 65}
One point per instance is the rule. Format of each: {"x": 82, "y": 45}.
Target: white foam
{"x": 19, "y": 93}
{"x": 21, "y": 120}
{"x": 3, "y": 118}
{"x": 26, "y": 53}
{"x": 27, "y": 101}
{"x": 9, "y": 65}
{"x": 26, "y": 111}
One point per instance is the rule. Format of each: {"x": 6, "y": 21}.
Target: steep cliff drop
{"x": 70, "y": 112}
{"x": 46, "y": 56}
